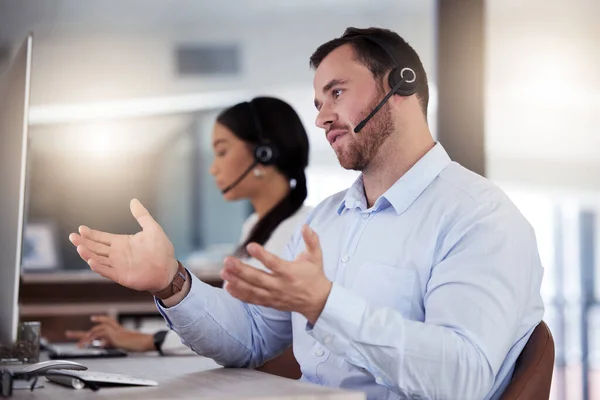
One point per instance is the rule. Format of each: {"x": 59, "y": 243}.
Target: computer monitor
{"x": 14, "y": 106}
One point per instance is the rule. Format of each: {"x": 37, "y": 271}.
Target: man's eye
{"x": 336, "y": 93}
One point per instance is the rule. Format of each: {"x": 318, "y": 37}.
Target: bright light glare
{"x": 96, "y": 142}
{"x": 547, "y": 77}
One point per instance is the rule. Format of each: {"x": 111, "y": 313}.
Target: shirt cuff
{"x": 187, "y": 311}
{"x": 340, "y": 320}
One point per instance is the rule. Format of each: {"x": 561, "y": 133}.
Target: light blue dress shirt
{"x": 436, "y": 289}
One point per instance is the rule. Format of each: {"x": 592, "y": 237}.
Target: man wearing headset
{"x": 422, "y": 280}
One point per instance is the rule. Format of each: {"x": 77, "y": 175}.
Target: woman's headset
{"x": 265, "y": 152}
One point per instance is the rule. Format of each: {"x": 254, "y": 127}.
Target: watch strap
{"x": 159, "y": 339}
{"x": 176, "y": 284}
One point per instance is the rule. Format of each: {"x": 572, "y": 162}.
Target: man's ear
{"x": 397, "y": 100}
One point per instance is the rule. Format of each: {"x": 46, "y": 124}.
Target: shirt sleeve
{"x": 214, "y": 324}
{"x": 474, "y": 302}
{"x": 172, "y": 345}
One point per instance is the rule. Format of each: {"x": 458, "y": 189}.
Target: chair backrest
{"x": 533, "y": 370}
{"x": 284, "y": 365}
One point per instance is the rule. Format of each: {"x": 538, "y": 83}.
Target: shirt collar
{"x": 406, "y": 189}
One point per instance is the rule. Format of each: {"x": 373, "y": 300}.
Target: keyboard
{"x": 70, "y": 351}
{"x": 81, "y": 379}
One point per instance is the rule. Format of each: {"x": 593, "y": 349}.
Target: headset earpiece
{"x": 265, "y": 153}
{"x": 403, "y": 81}
{"x": 405, "y": 78}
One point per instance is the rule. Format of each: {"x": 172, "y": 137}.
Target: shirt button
{"x": 319, "y": 353}
{"x": 345, "y": 258}
{"x": 366, "y": 215}
{"x": 327, "y": 339}
{"x": 378, "y": 380}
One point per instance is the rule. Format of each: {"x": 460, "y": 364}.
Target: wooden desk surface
{"x": 187, "y": 377}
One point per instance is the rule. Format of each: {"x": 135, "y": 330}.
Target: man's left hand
{"x": 300, "y": 285}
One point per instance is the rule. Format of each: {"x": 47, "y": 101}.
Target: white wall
{"x": 86, "y": 55}
{"x": 80, "y": 56}
{"x": 543, "y": 98}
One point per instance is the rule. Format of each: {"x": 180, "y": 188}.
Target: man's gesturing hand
{"x": 144, "y": 261}
{"x": 299, "y": 285}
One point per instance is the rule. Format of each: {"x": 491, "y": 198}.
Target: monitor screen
{"x": 14, "y": 105}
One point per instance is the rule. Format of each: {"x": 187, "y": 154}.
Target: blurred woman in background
{"x": 261, "y": 153}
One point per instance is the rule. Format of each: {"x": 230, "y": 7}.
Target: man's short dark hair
{"x": 376, "y": 59}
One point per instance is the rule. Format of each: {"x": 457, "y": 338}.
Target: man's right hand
{"x": 144, "y": 261}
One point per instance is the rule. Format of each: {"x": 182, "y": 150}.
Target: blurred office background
{"x": 124, "y": 95}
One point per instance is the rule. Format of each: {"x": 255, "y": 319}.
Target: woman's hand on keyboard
{"x": 111, "y": 334}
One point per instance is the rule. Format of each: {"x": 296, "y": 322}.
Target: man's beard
{"x": 362, "y": 147}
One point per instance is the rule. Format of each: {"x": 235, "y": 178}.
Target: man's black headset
{"x": 265, "y": 152}
{"x": 402, "y": 81}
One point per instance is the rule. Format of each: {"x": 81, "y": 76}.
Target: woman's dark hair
{"x": 282, "y": 128}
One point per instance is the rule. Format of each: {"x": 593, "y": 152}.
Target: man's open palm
{"x": 144, "y": 261}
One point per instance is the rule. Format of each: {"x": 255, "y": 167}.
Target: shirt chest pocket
{"x": 384, "y": 285}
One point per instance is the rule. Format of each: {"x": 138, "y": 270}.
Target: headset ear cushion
{"x": 407, "y": 88}
{"x": 265, "y": 154}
